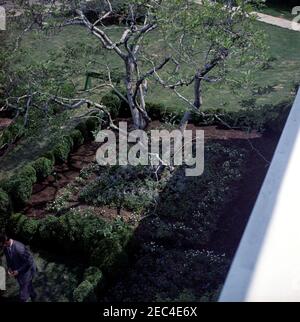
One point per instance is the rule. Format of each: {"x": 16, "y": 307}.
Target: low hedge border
{"x": 19, "y": 186}
{"x": 262, "y": 118}
{"x": 102, "y": 245}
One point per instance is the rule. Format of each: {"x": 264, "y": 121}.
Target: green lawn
{"x": 281, "y": 11}
{"x": 270, "y": 86}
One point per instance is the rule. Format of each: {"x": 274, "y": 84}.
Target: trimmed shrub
{"x": 19, "y": 187}
{"x": 93, "y": 275}
{"x": 92, "y": 124}
{"x": 77, "y": 138}
{"x": 82, "y": 128}
{"x": 84, "y": 292}
{"x": 109, "y": 255}
{"x": 50, "y": 156}
{"x": 43, "y": 167}
{"x": 113, "y": 103}
{"x": 23, "y": 227}
{"x": 61, "y": 150}
{"x": 156, "y": 110}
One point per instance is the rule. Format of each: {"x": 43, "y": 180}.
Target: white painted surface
{"x": 266, "y": 266}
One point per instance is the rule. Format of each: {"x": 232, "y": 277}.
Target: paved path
{"x": 276, "y": 21}
{"x": 271, "y": 20}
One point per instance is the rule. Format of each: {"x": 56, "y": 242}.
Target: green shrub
{"x": 84, "y": 292}
{"x": 28, "y": 172}
{"x": 4, "y": 202}
{"x": 93, "y": 275}
{"x": 270, "y": 118}
{"x": 4, "y": 208}
{"x": 82, "y": 128}
{"x": 50, "y": 156}
{"x": 43, "y": 167}
{"x": 77, "y": 138}
{"x": 92, "y": 124}
{"x": 156, "y": 110}
{"x": 23, "y": 227}
{"x": 19, "y": 186}
{"x": 50, "y": 231}
{"x": 11, "y": 133}
{"x": 61, "y": 150}
{"x": 113, "y": 103}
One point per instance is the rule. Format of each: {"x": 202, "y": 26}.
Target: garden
{"x": 114, "y": 233}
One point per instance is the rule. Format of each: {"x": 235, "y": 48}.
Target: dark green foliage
{"x": 77, "y": 138}
{"x": 92, "y": 124}
{"x": 108, "y": 254}
{"x": 62, "y": 149}
{"x": 198, "y": 201}
{"x": 130, "y": 187}
{"x": 43, "y": 167}
{"x": 124, "y": 107}
{"x": 86, "y": 291}
{"x": 19, "y": 187}
{"x": 81, "y": 234}
{"x": 82, "y": 128}
{"x": 11, "y": 134}
{"x": 270, "y": 118}
{"x": 4, "y": 208}
{"x": 113, "y": 103}
{"x": 23, "y": 227}
{"x": 50, "y": 156}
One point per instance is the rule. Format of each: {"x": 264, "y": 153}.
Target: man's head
{"x": 4, "y": 240}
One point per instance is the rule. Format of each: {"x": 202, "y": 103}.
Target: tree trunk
{"x": 197, "y": 103}
{"x": 139, "y": 121}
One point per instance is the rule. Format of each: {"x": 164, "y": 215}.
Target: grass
{"x": 269, "y": 87}
{"x": 276, "y": 10}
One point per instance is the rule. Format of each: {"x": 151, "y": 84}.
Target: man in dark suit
{"x": 20, "y": 264}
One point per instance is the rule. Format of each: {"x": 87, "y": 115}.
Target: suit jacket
{"x": 19, "y": 259}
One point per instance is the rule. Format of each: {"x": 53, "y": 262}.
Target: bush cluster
{"x": 264, "y": 118}
{"x": 19, "y": 186}
{"x": 99, "y": 242}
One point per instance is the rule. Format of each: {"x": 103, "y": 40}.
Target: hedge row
{"x": 264, "y": 118}
{"x": 93, "y": 282}
{"x": 19, "y": 186}
{"x": 100, "y": 244}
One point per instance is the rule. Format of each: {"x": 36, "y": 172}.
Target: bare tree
{"x": 205, "y": 39}
{"x": 199, "y": 37}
